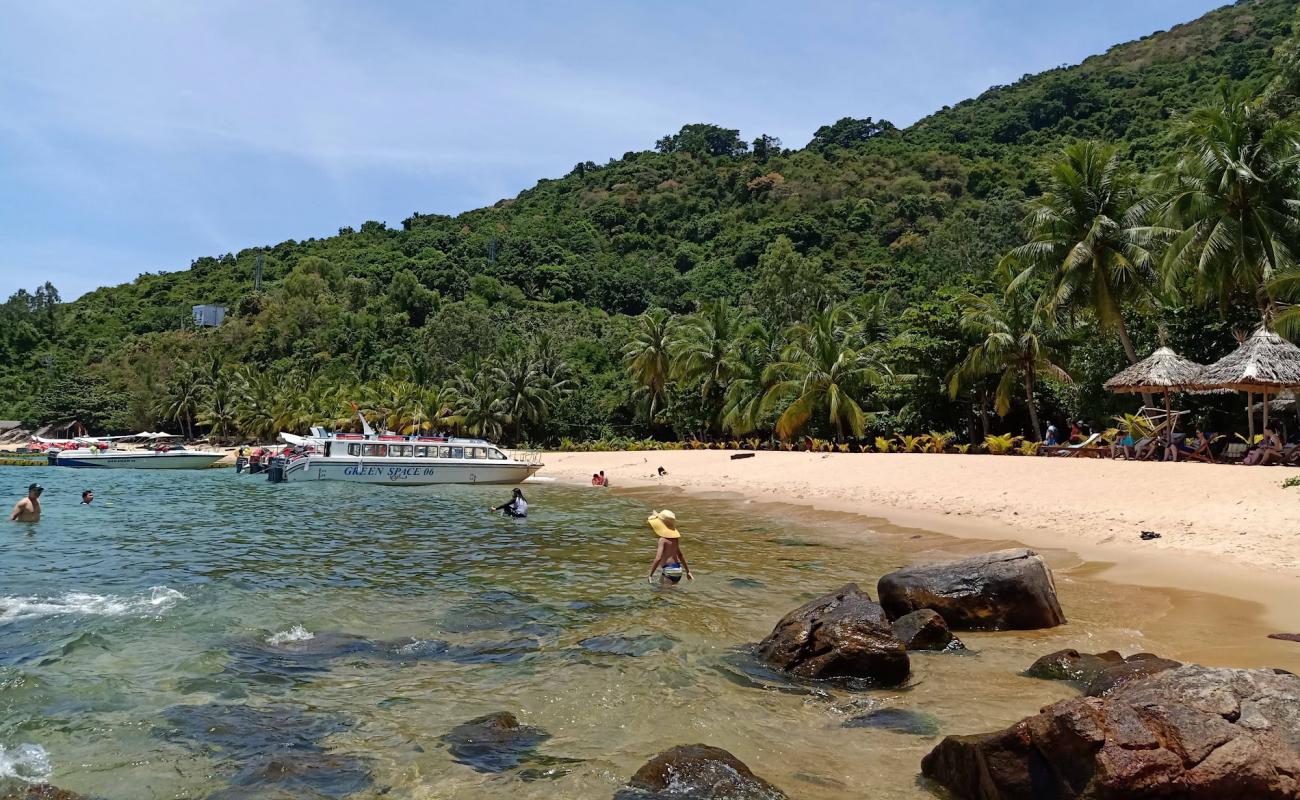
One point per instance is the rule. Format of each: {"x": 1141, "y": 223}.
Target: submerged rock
{"x": 40, "y": 791}
{"x": 493, "y": 742}
{"x": 924, "y": 629}
{"x": 1006, "y": 590}
{"x": 897, "y": 720}
{"x": 1098, "y": 674}
{"x": 1192, "y": 733}
{"x": 839, "y": 635}
{"x": 697, "y": 772}
{"x": 618, "y": 645}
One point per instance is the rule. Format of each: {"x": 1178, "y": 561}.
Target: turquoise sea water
{"x": 203, "y": 634}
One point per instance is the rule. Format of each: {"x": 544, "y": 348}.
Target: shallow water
{"x": 203, "y": 634}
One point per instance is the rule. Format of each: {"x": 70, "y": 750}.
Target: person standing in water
{"x": 516, "y": 507}
{"x": 669, "y": 554}
{"x": 87, "y": 497}
{"x": 29, "y": 508}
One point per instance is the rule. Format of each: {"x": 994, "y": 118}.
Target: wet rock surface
{"x": 924, "y": 629}
{"x": 1005, "y": 590}
{"x": 697, "y": 772}
{"x": 269, "y": 752}
{"x": 1098, "y": 674}
{"x": 493, "y": 742}
{"x": 1193, "y": 733}
{"x": 897, "y": 720}
{"x": 841, "y": 635}
{"x": 629, "y": 645}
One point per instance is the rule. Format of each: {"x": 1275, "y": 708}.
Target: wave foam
{"x": 295, "y": 634}
{"x": 26, "y": 762}
{"x": 14, "y": 609}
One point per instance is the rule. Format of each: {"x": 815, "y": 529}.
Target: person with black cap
{"x": 29, "y": 508}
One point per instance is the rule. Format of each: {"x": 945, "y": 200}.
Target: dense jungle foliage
{"x": 983, "y": 270}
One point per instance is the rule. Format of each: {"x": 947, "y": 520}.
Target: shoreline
{"x": 974, "y": 497}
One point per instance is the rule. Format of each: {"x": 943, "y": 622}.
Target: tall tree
{"x": 827, "y": 368}
{"x": 1014, "y": 343}
{"x": 1086, "y": 245}
{"x": 1233, "y": 194}
{"x": 525, "y": 391}
{"x": 648, "y": 358}
{"x": 706, "y": 351}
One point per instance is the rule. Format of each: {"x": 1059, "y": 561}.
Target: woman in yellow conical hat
{"x": 669, "y": 555}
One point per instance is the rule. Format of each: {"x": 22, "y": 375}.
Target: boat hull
{"x": 404, "y": 472}
{"x": 137, "y": 460}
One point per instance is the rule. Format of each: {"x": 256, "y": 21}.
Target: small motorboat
{"x": 157, "y": 453}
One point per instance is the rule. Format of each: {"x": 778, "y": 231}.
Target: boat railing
{"x": 526, "y": 456}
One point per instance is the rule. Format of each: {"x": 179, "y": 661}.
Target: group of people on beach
{"x": 28, "y": 509}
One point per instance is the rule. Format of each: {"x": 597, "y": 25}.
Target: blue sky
{"x": 135, "y": 137}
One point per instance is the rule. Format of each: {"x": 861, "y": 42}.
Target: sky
{"x": 138, "y": 136}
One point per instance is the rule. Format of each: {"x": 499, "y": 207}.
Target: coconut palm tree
{"x": 648, "y": 357}
{"x": 255, "y": 407}
{"x": 1232, "y": 194}
{"x": 827, "y": 368}
{"x": 476, "y": 402}
{"x": 1086, "y": 244}
{"x": 742, "y": 408}
{"x": 181, "y": 399}
{"x": 1014, "y": 342}
{"x": 525, "y": 391}
{"x": 707, "y": 350}
{"x": 218, "y": 406}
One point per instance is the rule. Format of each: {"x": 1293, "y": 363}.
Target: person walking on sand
{"x": 29, "y": 508}
{"x": 669, "y": 554}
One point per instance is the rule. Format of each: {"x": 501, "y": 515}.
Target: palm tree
{"x": 217, "y": 409}
{"x": 759, "y": 347}
{"x": 707, "y": 350}
{"x": 827, "y": 367}
{"x": 255, "y": 407}
{"x": 476, "y": 402}
{"x": 1084, "y": 242}
{"x": 1233, "y": 195}
{"x": 180, "y": 402}
{"x": 525, "y": 391}
{"x": 1015, "y": 343}
{"x": 648, "y": 358}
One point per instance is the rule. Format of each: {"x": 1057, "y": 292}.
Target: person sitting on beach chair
{"x": 1197, "y": 448}
{"x": 1268, "y": 450}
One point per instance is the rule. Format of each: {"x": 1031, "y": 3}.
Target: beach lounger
{"x": 1234, "y": 452}
{"x": 1083, "y": 448}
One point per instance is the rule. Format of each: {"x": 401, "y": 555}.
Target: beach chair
{"x": 1083, "y": 448}
{"x": 1234, "y": 452}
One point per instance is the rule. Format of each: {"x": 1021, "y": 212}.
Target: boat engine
{"x": 275, "y": 471}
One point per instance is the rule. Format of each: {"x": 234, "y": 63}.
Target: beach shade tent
{"x": 1264, "y": 363}
{"x": 1163, "y": 371}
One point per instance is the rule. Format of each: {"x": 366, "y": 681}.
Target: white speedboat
{"x": 103, "y": 453}
{"x": 398, "y": 460}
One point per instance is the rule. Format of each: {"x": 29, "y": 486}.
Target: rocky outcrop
{"x": 1192, "y": 733}
{"x": 697, "y": 772}
{"x": 839, "y": 635}
{"x": 493, "y": 742}
{"x": 1005, "y": 590}
{"x": 925, "y": 630}
{"x": 1098, "y": 674}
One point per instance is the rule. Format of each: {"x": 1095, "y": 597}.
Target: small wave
{"x": 26, "y": 762}
{"x": 295, "y": 634}
{"x": 14, "y": 609}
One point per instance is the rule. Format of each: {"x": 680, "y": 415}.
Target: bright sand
{"x": 1226, "y": 529}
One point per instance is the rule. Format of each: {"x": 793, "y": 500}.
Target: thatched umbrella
{"x": 1163, "y": 371}
{"x": 1264, "y": 363}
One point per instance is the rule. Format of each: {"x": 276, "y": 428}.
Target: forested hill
{"x": 911, "y": 216}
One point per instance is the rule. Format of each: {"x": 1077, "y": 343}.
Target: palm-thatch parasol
{"x": 1264, "y": 363}
{"x": 1162, "y": 371}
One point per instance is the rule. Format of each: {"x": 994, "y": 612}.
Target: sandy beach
{"x": 1222, "y": 524}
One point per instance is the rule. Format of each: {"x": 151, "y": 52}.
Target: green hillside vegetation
{"x": 977, "y": 272}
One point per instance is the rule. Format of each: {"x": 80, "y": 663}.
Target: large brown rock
{"x": 1005, "y": 590}
{"x": 1098, "y": 674}
{"x": 839, "y": 635}
{"x": 698, "y": 772}
{"x": 1191, "y": 733}
{"x": 925, "y": 630}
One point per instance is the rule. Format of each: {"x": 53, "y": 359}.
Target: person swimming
{"x": 28, "y": 509}
{"x": 669, "y": 561}
{"x": 516, "y": 506}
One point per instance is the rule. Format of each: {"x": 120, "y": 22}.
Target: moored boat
{"x": 399, "y": 460}
{"x": 103, "y": 453}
